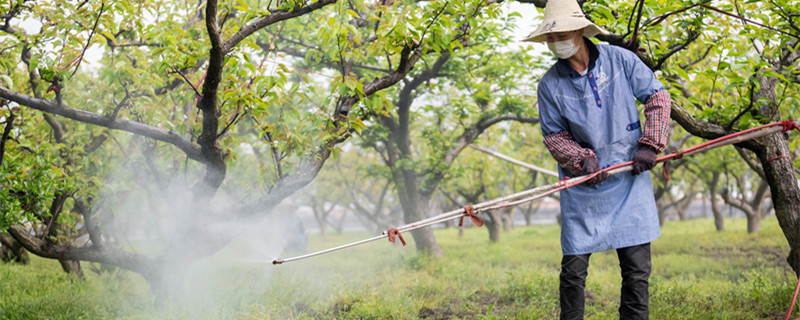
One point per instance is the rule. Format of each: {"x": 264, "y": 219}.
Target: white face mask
{"x": 563, "y": 49}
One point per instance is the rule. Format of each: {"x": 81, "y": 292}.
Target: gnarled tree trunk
{"x": 785, "y": 192}
{"x": 12, "y": 251}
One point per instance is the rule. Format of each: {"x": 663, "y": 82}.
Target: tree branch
{"x": 6, "y": 134}
{"x": 56, "y": 207}
{"x": 191, "y": 150}
{"x": 89, "y": 41}
{"x": 209, "y": 106}
{"x": 302, "y": 54}
{"x": 694, "y": 126}
{"x": 189, "y": 82}
{"x": 274, "y": 17}
{"x": 473, "y": 131}
{"x": 127, "y": 260}
{"x": 786, "y": 16}
{"x": 751, "y": 162}
{"x": 91, "y": 225}
{"x": 537, "y": 3}
{"x": 693, "y": 35}
{"x": 701, "y": 58}
{"x": 761, "y": 194}
{"x": 737, "y": 203}
{"x": 405, "y": 99}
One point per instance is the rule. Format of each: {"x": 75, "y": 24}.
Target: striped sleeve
{"x": 567, "y": 151}
{"x": 656, "y": 125}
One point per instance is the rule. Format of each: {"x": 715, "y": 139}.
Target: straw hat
{"x": 561, "y": 16}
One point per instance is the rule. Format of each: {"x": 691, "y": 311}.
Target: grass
{"x": 698, "y": 273}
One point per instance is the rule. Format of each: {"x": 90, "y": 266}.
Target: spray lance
{"x": 543, "y": 191}
{"x": 514, "y": 161}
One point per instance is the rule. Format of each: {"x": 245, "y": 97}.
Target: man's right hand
{"x": 590, "y": 166}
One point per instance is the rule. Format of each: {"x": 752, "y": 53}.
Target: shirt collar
{"x": 564, "y": 69}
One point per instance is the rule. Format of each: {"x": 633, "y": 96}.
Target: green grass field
{"x": 698, "y": 273}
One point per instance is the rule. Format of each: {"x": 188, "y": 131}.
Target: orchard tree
{"x": 713, "y": 172}
{"x": 453, "y": 96}
{"x": 444, "y": 108}
{"x": 324, "y": 198}
{"x": 182, "y": 87}
{"x": 369, "y": 193}
{"x": 754, "y": 202}
{"x": 358, "y": 186}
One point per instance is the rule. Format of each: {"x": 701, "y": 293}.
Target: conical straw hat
{"x": 561, "y": 16}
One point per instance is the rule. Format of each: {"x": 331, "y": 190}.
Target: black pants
{"x": 634, "y": 298}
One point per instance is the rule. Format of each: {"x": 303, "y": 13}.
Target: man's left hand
{"x": 643, "y": 160}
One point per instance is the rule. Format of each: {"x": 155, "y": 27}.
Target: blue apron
{"x": 599, "y": 110}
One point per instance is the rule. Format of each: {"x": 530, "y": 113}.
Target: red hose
{"x": 787, "y": 125}
{"x": 794, "y": 298}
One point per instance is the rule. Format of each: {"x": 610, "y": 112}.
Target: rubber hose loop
{"x": 393, "y": 232}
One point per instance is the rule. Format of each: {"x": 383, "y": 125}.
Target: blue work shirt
{"x": 599, "y": 110}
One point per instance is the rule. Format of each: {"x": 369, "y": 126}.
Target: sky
{"x": 527, "y": 23}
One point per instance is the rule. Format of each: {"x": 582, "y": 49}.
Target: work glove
{"x": 643, "y": 160}
{"x": 590, "y": 166}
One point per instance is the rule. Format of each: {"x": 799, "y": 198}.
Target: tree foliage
{"x": 182, "y": 91}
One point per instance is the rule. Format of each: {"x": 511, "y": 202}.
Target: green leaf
{"x": 47, "y": 74}
{"x": 7, "y": 81}
{"x": 109, "y": 35}
{"x": 34, "y": 64}
{"x": 681, "y": 73}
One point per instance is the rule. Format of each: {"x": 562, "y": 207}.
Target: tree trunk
{"x": 703, "y": 198}
{"x": 528, "y": 212}
{"x": 12, "y": 250}
{"x": 682, "y": 206}
{"x": 658, "y": 195}
{"x": 719, "y": 222}
{"x": 415, "y": 207}
{"x": 166, "y": 281}
{"x": 322, "y": 228}
{"x": 321, "y": 223}
{"x": 784, "y": 189}
{"x": 493, "y": 224}
{"x": 72, "y": 266}
{"x": 340, "y": 225}
{"x": 753, "y": 223}
{"x": 425, "y": 241}
{"x": 508, "y": 220}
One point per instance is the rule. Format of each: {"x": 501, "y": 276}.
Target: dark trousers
{"x": 634, "y": 299}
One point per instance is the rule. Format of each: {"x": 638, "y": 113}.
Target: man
{"x": 589, "y": 118}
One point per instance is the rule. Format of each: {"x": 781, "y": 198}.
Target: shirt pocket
{"x": 623, "y": 148}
